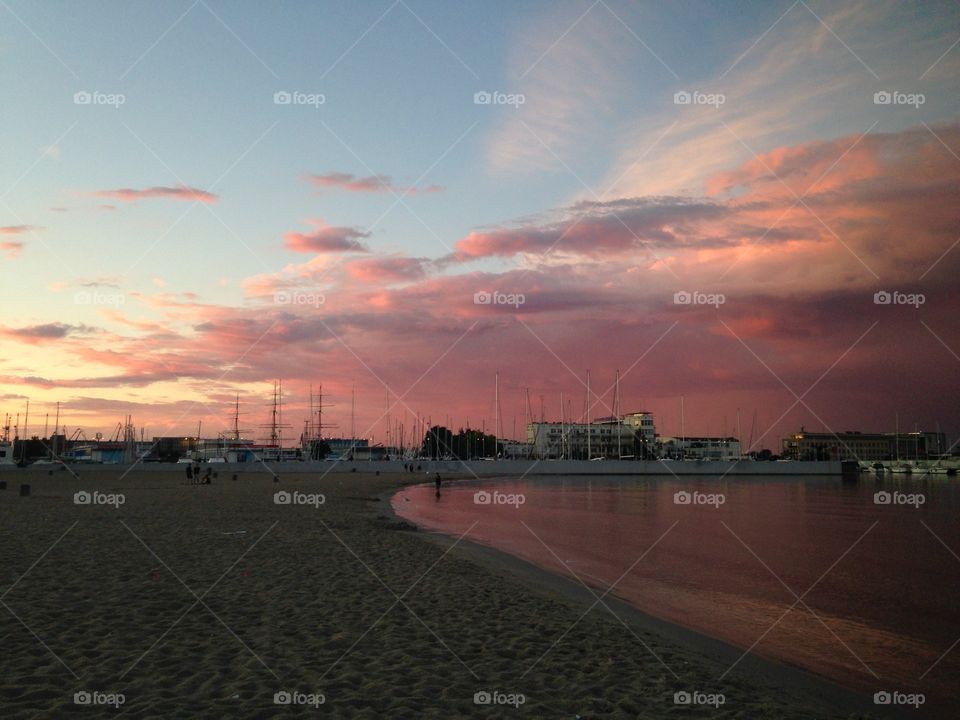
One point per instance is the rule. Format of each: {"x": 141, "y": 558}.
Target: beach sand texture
{"x": 206, "y": 601}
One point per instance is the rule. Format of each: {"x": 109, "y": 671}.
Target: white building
{"x": 631, "y": 436}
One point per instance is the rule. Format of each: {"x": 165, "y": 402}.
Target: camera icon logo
{"x": 882, "y": 98}
{"x": 682, "y": 98}
{"x": 482, "y": 698}
{"x": 82, "y": 98}
{"x": 82, "y": 698}
{"x": 882, "y": 698}
{"x": 482, "y": 497}
{"x": 81, "y": 498}
{"x": 482, "y": 98}
{"x": 682, "y": 298}
{"x": 482, "y": 298}
{"x": 282, "y": 498}
{"x": 282, "y": 97}
{"x": 882, "y": 498}
{"x": 882, "y": 297}
{"x": 281, "y": 297}
{"x": 282, "y": 698}
{"x": 682, "y": 698}
{"x": 682, "y": 498}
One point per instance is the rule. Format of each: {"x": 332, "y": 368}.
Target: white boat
{"x": 6, "y": 453}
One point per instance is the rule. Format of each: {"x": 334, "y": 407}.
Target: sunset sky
{"x": 173, "y": 232}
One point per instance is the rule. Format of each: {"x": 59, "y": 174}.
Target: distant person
{"x": 438, "y": 484}
{"x": 206, "y": 477}
{"x": 190, "y": 472}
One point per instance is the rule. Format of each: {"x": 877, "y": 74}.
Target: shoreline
{"x": 774, "y": 674}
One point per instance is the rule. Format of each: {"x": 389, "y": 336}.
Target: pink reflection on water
{"x": 879, "y": 591}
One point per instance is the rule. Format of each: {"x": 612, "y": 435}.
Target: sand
{"x": 207, "y": 601}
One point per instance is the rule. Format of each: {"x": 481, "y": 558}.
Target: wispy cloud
{"x": 48, "y": 332}
{"x": 12, "y": 248}
{"x": 180, "y": 192}
{"x": 18, "y": 229}
{"x": 327, "y": 239}
{"x": 369, "y": 184}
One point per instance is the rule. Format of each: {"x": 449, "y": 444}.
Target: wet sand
{"x": 207, "y": 601}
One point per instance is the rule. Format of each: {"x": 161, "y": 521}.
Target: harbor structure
{"x": 865, "y": 447}
{"x": 615, "y": 437}
{"x": 700, "y": 448}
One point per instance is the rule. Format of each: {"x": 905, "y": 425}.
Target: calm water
{"x": 883, "y": 591}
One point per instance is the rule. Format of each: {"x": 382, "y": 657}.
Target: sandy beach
{"x": 161, "y": 599}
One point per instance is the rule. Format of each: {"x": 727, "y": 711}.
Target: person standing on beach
{"x": 438, "y": 484}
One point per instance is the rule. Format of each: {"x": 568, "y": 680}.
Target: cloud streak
{"x": 179, "y": 192}
{"x": 327, "y": 239}
{"x": 348, "y": 182}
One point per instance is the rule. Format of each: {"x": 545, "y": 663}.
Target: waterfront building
{"x": 627, "y": 437}
{"x": 700, "y": 448}
{"x": 865, "y": 447}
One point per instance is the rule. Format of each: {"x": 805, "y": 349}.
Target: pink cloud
{"x": 387, "y": 269}
{"x": 11, "y": 247}
{"x": 180, "y": 192}
{"x": 327, "y": 239}
{"x": 17, "y": 229}
{"x": 795, "y": 295}
{"x": 370, "y": 184}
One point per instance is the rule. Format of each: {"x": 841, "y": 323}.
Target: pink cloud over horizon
{"x": 598, "y": 281}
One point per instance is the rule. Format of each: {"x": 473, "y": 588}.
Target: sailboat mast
{"x": 589, "y": 425}
{"x": 496, "y": 411}
{"x": 617, "y": 412}
{"x": 739, "y": 437}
